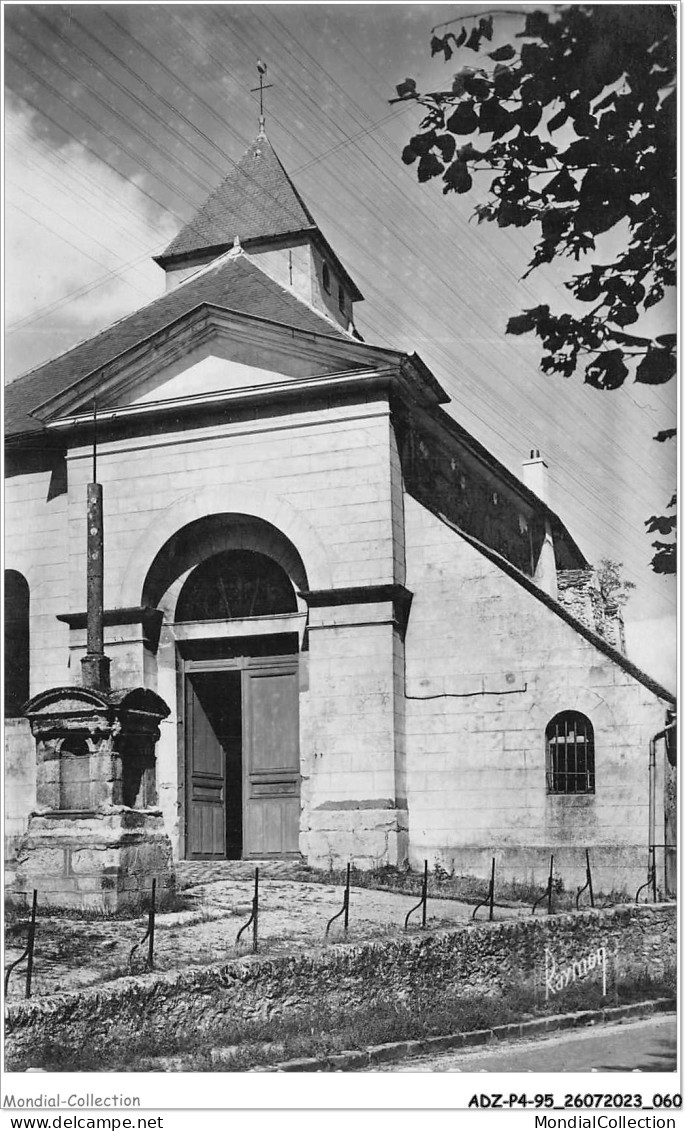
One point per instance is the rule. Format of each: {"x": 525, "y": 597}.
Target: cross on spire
{"x": 261, "y": 69}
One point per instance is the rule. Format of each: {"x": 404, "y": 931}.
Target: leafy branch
{"x": 576, "y": 126}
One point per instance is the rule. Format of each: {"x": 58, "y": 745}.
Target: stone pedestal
{"x": 96, "y": 839}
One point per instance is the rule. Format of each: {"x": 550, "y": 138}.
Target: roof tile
{"x": 256, "y": 200}
{"x": 236, "y": 283}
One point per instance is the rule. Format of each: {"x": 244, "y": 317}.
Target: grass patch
{"x": 321, "y": 1030}
{"x": 448, "y": 885}
{"x": 17, "y": 914}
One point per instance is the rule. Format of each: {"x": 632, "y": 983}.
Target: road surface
{"x": 647, "y": 1045}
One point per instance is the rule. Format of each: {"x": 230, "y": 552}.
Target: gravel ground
{"x": 293, "y": 914}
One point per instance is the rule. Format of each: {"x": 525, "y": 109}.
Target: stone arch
{"x": 570, "y": 753}
{"x": 206, "y": 539}
{"x": 236, "y": 584}
{"x": 226, "y": 500}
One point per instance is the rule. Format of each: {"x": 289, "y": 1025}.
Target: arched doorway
{"x": 227, "y": 585}
{"x": 17, "y": 602}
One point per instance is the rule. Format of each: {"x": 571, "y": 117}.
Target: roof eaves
{"x": 176, "y": 259}
{"x": 187, "y": 316}
{"x": 593, "y": 637}
{"x": 414, "y": 362}
{"x": 142, "y": 342}
{"x": 112, "y": 325}
{"x": 513, "y": 481}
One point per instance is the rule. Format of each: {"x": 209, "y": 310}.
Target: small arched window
{"x": 74, "y": 781}
{"x": 570, "y": 753}
{"x": 16, "y": 642}
{"x": 326, "y": 277}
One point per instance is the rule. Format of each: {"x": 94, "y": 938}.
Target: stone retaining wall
{"x": 481, "y": 958}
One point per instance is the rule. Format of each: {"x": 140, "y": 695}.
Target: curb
{"x": 399, "y": 1050}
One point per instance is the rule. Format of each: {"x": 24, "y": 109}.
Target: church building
{"x": 375, "y": 643}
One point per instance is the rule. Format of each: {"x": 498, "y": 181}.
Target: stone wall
{"x": 36, "y": 545}
{"x": 579, "y": 593}
{"x": 488, "y": 665}
{"x": 19, "y": 779}
{"x": 434, "y": 745}
{"x": 325, "y": 478}
{"x": 485, "y": 958}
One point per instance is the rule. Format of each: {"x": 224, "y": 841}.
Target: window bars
{"x": 570, "y": 748}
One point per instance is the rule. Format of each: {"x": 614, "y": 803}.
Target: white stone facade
{"x": 398, "y": 704}
{"x": 421, "y": 737}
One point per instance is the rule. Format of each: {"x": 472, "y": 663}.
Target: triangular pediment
{"x": 208, "y": 353}
{"x": 232, "y": 296}
{"x": 223, "y": 365}
{"x": 201, "y": 376}
{"x": 230, "y": 331}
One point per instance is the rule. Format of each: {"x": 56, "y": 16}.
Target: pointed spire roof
{"x": 256, "y": 201}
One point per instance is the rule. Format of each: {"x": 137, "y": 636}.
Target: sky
{"x": 121, "y": 118}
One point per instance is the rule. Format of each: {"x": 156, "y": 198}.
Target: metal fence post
{"x": 344, "y": 910}
{"x": 151, "y": 925}
{"x": 489, "y": 898}
{"x": 588, "y": 882}
{"x": 548, "y": 890}
{"x": 346, "y": 920}
{"x": 549, "y": 885}
{"x": 149, "y": 935}
{"x": 492, "y": 891}
{"x": 254, "y": 917}
{"x": 422, "y": 902}
{"x": 31, "y": 943}
{"x": 28, "y": 951}
{"x": 255, "y": 905}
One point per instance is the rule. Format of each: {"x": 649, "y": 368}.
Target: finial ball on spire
{"x": 261, "y": 67}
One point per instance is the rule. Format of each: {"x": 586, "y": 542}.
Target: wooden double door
{"x": 242, "y": 757}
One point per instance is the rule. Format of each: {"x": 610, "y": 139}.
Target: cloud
{"x": 78, "y": 245}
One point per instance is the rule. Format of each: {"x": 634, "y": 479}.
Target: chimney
{"x": 535, "y": 475}
{"x": 535, "y": 478}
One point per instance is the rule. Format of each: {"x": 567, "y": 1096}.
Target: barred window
{"x": 570, "y": 747}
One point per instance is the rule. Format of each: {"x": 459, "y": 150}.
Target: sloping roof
{"x": 235, "y": 283}
{"x": 257, "y": 200}
{"x": 592, "y": 637}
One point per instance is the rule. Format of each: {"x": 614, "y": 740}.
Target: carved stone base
{"x": 102, "y": 861}
{"x": 97, "y": 839}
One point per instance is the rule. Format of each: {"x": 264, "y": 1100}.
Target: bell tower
{"x": 258, "y": 208}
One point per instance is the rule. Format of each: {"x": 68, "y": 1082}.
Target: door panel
{"x": 213, "y": 729}
{"x": 272, "y": 761}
